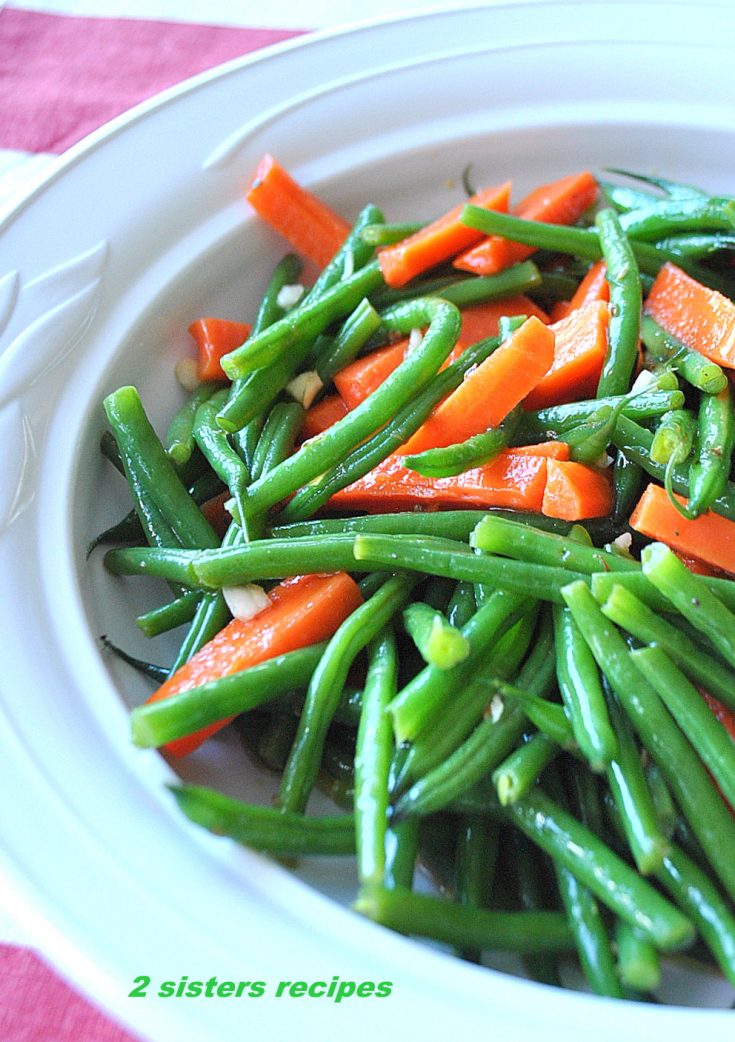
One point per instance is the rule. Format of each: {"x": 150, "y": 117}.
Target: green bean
{"x": 499, "y": 535}
{"x": 355, "y": 332}
{"x": 519, "y": 278}
{"x": 549, "y": 717}
{"x": 475, "y": 857}
{"x": 149, "y": 468}
{"x": 700, "y": 213}
{"x": 180, "y": 433}
{"x": 462, "y": 456}
{"x": 639, "y": 966}
{"x": 127, "y": 530}
{"x": 401, "y": 849}
{"x": 276, "y": 741}
{"x": 302, "y": 323}
{"x": 388, "y": 234}
{"x": 625, "y": 304}
{"x": 437, "y": 594}
{"x": 555, "y": 286}
{"x": 677, "y": 760}
{"x": 624, "y": 198}
{"x": 674, "y": 189}
{"x": 462, "y": 605}
{"x": 285, "y": 273}
{"x": 169, "y": 616}
{"x": 557, "y": 419}
{"x": 464, "y": 925}
{"x": 265, "y": 828}
{"x": 246, "y": 439}
{"x": 698, "y": 244}
{"x": 323, "y": 451}
{"x": 326, "y": 684}
{"x": 674, "y": 437}
{"x": 157, "y": 723}
{"x": 636, "y": 443}
{"x": 696, "y": 369}
{"x": 691, "y": 596}
{"x": 148, "y": 669}
{"x": 609, "y": 878}
{"x": 438, "y": 642}
{"x": 711, "y": 740}
{"x": 626, "y": 610}
{"x": 281, "y": 429}
{"x": 354, "y": 253}
{"x": 435, "y": 558}
{"x": 518, "y": 772}
{"x": 629, "y": 789}
{"x": 581, "y": 690}
{"x": 581, "y": 242}
{"x": 449, "y": 524}
{"x": 666, "y": 810}
{"x": 710, "y": 468}
{"x": 590, "y": 440}
{"x": 215, "y": 445}
{"x": 432, "y": 688}
{"x": 373, "y": 753}
{"x": 695, "y": 893}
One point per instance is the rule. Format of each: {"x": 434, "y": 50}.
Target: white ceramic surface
{"x": 141, "y": 230}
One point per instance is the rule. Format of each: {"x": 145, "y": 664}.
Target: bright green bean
{"x": 625, "y": 304}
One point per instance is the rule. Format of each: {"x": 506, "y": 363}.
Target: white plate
{"x": 141, "y": 230}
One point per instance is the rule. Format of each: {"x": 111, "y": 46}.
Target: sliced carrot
{"x": 550, "y": 449}
{"x": 579, "y": 354}
{"x": 481, "y": 320}
{"x": 322, "y": 415}
{"x": 311, "y": 226}
{"x": 560, "y": 202}
{"x": 560, "y": 310}
{"x": 700, "y": 317}
{"x": 489, "y": 392}
{"x": 303, "y": 611}
{"x": 514, "y": 480}
{"x": 214, "y": 338}
{"x": 575, "y": 492}
{"x": 214, "y": 511}
{"x": 594, "y": 286}
{"x": 439, "y": 240}
{"x": 697, "y": 565}
{"x": 363, "y": 376}
{"x": 710, "y": 537}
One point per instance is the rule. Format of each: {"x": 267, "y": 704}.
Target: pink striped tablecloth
{"x": 66, "y": 67}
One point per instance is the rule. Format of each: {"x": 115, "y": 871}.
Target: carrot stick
{"x": 513, "y": 479}
{"x": 363, "y": 376}
{"x": 560, "y": 202}
{"x": 439, "y": 240}
{"x": 311, "y": 226}
{"x": 489, "y": 392}
{"x": 322, "y": 415}
{"x": 481, "y": 320}
{"x": 214, "y": 338}
{"x": 579, "y": 354}
{"x": 575, "y": 492}
{"x": 303, "y": 611}
{"x": 710, "y": 537}
{"x": 558, "y": 450}
{"x": 700, "y": 317}
{"x": 594, "y": 286}
{"x": 215, "y": 512}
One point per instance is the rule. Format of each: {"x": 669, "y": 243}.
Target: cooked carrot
{"x": 311, "y": 226}
{"x": 550, "y": 449}
{"x": 560, "y": 202}
{"x": 575, "y": 492}
{"x": 214, "y": 338}
{"x": 439, "y": 240}
{"x": 214, "y": 511}
{"x": 489, "y": 392}
{"x": 724, "y": 714}
{"x": 322, "y": 415}
{"x": 560, "y": 309}
{"x": 710, "y": 537}
{"x": 303, "y": 611}
{"x": 700, "y": 317}
{"x": 363, "y": 376}
{"x": 481, "y": 320}
{"x": 697, "y": 565}
{"x": 513, "y": 479}
{"x": 579, "y": 354}
{"x": 594, "y": 286}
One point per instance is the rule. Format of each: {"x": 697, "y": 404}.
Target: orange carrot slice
{"x": 481, "y": 320}
{"x": 579, "y": 354}
{"x": 710, "y": 537}
{"x": 214, "y": 338}
{"x": 322, "y": 415}
{"x": 550, "y": 449}
{"x": 363, "y": 376}
{"x": 215, "y": 512}
{"x": 700, "y": 317}
{"x": 560, "y": 202}
{"x": 439, "y": 240}
{"x": 513, "y": 479}
{"x": 311, "y": 226}
{"x": 575, "y": 492}
{"x": 594, "y": 286}
{"x": 303, "y": 611}
{"x": 489, "y": 392}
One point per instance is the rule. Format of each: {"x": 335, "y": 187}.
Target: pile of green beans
{"x": 514, "y": 708}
